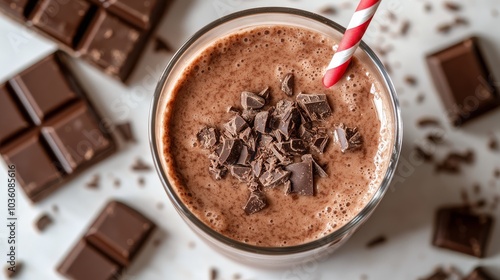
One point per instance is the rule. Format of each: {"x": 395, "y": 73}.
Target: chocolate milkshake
{"x": 255, "y": 65}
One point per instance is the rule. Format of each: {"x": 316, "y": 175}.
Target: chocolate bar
{"x": 464, "y": 81}
{"x": 110, "y": 244}
{"x": 110, "y": 35}
{"x": 48, "y": 128}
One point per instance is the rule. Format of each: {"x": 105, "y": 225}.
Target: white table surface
{"x": 405, "y": 215}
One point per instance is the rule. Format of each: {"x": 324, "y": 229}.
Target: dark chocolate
{"x": 301, "y": 177}
{"x": 43, "y": 222}
{"x": 250, "y": 100}
{"x": 464, "y": 81}
{"x": 315, "y": 105}
{"x": 231, "y": 150}
{"x": 242, "y": 173}
{"x": 288, "y": 84}
{"x": 377, "y": 241}
{"x": 235, "y": 125}
{"x": 140, "y": 165}
{"x": 274, "y": 177}
{"x": 480, "y": 273}
{"x": 256, "y": 202}
{"x": 462, "y": 231}
{"x": 261, "y": 122}
{"x": 208, "y": 137}
{"x": 349, "y": 139}
{"x": 12, "y": 120}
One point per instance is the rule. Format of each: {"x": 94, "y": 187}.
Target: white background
{"x": 405, "y": 215}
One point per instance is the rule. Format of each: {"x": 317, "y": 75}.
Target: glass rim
{"x": 318, "y": 243}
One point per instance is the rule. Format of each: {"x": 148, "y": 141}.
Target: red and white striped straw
{"x": 350, "y": 41}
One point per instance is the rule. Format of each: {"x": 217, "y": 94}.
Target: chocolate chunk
{"x": 464, "y": 81}
{"x": 245, "y": 156}
{"x": 242, "y": 173}
{"x": 460, "y": 230}
{"x": 94, "y": 183}
{"x": 250, "y": 100}
{"x": 319, "y": 142}
{"x": 208, "y": 137}
{"x": 162, "y": 45}
{"x": 249, "y": 115}
{"x": 282, "y": 157}
{"x": 13, "y": 271}
{"x": 480, "y": 273}
{"x": 217, "y": 170}
{"x": 315, "y": 105}
{"x": 405, "y": 27}
{"x": 288, "y": 83}
{"x": 379, "y": 240}
{"x": 235, "y": 125}
{"x": 257, "y": 167}
{"x": 493, "y": 143}
{"x": 461, "y": 21}
{"x": 290, "y": 122}
{"x": 411, "y": 80}
{"x": 349, "y": 139}
{"x": 261, "y": 121}
{"x": 125, "y": 130}
{"x": 319, "y": 170}
{"x": 43, "y": 222}
{"x": 140, "y": 165}
{"x": 274, "y": 177}
{"x": 265, "y": 93}
{"x": 292, "y": 147}
{"x": 231, "y": 150}
{"x": 444, "y": 28}
{"x": 86, "y": 262}
{"x": 328, "y": 10}
{"x": 301, "y": 177}
{"x": 119, "y": 232}
{"x": 453, "y": 162}
{"x": 256, "y": 202}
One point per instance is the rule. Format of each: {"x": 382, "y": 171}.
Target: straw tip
{"x": 331, "y": 78}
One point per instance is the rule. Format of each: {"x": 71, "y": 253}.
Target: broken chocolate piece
{"x": 250, "y": 100}
{"x": 125, "y": 130}
{"x": 319, "y": 170}
{"x": 265, "y": 93}
{"x": 242, "y": 173}
{"x": 274, "y": 177}
{"x": 315, "y": 105}
{"x": 451, "y": 6}
{"x": 319, "y": 142}
{"x": 256, "y": 202}
{"x": 438, "y": 274}
{"x": 282, "y": 157}
{"x": 140, "y": 165}
{"x": 460, "y": 230}
{"x": 348, "y": 138}
{"x": 301, "y": 177}
{"x": 245, "y": 156}
{"x": 288, "y": 84}
{"x": 43, "y": 222}
{"x": 480, "y": 273}
{"x": 235, "y": 125}
{"x": 261, "y": 121}
{"x": 231, "y": 150}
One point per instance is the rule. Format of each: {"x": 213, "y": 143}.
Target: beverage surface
{"x": 251, "y": 60}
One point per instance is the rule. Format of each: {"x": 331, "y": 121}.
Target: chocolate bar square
{"x": 119, "y": 232}
{"x": 34, "y": 167}
{"x": 460, "y": 230}
{"x": 43, "y": 88}
{"x": 112, "y": 45}
{"x": 85, "y": 262}
{"x": 12, "y": 120}
{"x": 75, "y": 137}
{"x": 136, "y": 12}
{"x": 464, "y": 81}
{"x": 14, "y": 7}
{"x": 61, "y": 19}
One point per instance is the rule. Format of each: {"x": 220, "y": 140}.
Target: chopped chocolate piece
{"x": 480, "y": 273}
{"x": 460, "y": 230}
{"x": 444, "y": 28}
{"x": 348, "y": 138}
{"x": 261, "y": 121}
{"x": 213, "y": 274}
{"x": 43, "y": 222}
{"x": 13, "y": 271}
{"x": 231, "y": 150}
{"x": 410, "y": 80}
{"x": 301, "y": 177}
{"x": 464, "y": 81}
{"x": 405, "y": 27}
{"x": 140, "y": 165}
{"x": 428, "y": 121}
{"x": 235, "y": 125}
{"x": 319, "y": 170}
{"x": 246, "y": 134}
{"x": 86, "y": 262}
{"x": 452, "y": 6}
{"x": 288, "y": 84}
{"x": 379, "y": 240}
{"x": 120, "y": 232}
{"x": 162, "y": 45}
{"x": 315, "y": 105}
{"x": 94, "y": 183}
{"x": 249, "y": 115}
{"x": 208, "y": 137}
{"x": 265, "y": 141}
{"x": 254, "y": 186}
{"x": 292, "y": 147}
{"x": 424, "y": 155}
{"x": 282, "y": 157}
{"x": 232, "y": 109}
{"x": 245, "y": 156}
{"x": 250, "y": 100}
{"x": 328, "y": 10}
{"x": 319, "y": 142}
{"x": 257, "y": 167}
{"x": 287, "y": 187}
{"x": 265, "y": 93}
{"x": 256, "y": 202}
{"x": 125, "y": 130}
{"x": 274, "y": 177}
{"x": 242, "y": 173}
{"x": 217, "y": 170}
{"x": 290, "y": 122}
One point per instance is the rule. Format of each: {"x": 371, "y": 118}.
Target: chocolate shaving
{"x": 328, "y": 10}
{"x": 288, "y": 84}
{"x": 265, "y": 93}
{"x": 208, "y": 137}
{"x": 428, "y": 121}
{"x": 43, "y": 222}
{"x": 235, "y": 125}
{"x": 125, "y": 130}
{"x": 242, "y": 173}
{"x": 256, "y": 202}
{"x": 273, "y": 178}
{"x": 349, "y": 139}
{"x": 250, "y": 100}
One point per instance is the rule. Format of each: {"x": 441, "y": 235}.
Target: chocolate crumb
{"x": 444, "y": 28}
{"x": 411, "y": 80}
{"x": 348, "y": 138}
{"x": 55, "y": 208}
{"x": 208, "y": 137}
{"x": 428, "y": 7}
{"x": 493, "y": 143}
{"x": 405, "y": 27}
{"x": 94, "y": 182}
{"x": 213, "y": 274}
{"x": 13, "y": 272}
{"x": 256, "y": 202}
{"x": 43, "y": 222}
{"x": 379, "y": 240}
{"x": 125, "y": 130}
{"x": 288, "y": 84}
{"x": 424, "y": 155}
{"x": 451, "y": 6}
{"x": 159, "y": 206}
{"x": 328, "y": 10}
{"x": 141, "y": 181}
{"x": 428, "y": 121}
{"x": 140, "y": 165}
{"x": 496, "y": 173}
{"x": 161, "y": 45}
